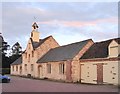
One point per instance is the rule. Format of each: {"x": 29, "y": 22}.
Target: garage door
{"x": 110, "y": 73}
{"x": 88, "y": 73}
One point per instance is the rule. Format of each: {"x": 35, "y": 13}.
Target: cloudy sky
{"x": 67, "y": 22}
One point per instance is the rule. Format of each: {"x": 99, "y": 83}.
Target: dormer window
{"x": 113, "y": 49}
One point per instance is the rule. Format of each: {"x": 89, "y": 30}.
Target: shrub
{"x": 5, "y": 71}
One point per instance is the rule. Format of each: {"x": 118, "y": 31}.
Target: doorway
{"x": 40, "y": 71}
{"x": 100, "y": 73}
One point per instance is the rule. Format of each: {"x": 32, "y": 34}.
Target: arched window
{"x": 32, "y": 67}
{"x": 29, "y": 58}
{"x": 26, "y": 55}
{"x": 32, "y": 53}
{"x": 25, "y": 67}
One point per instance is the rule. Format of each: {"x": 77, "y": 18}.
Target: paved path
{"x": 19, "y": 84}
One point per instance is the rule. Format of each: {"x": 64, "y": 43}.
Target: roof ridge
{"x": 108, "y": 40}
{"x": 37, "y": 44}
{"x": 74, "y": 43}
{"x": 102, "y": 52}
{"x": 17, "y": 61}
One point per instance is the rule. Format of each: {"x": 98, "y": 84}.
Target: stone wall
{"x": 75, "y": 62}
{"x": 55, "y": 73}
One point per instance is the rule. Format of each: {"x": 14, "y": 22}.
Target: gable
{"x": 29, "y": 45}
{"x": 41, "y": 41}
{"x": 114, "y": 49}
{"x": 33, "y": 45}
{"x": 113, "y": 43}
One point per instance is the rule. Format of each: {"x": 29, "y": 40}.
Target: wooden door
{"x": 100, "y": 73}
{"x": 68, "y": 71}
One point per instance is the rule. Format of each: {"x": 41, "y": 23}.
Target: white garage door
{"x": 110, "y": 73}
{"x": 88, "y": 73}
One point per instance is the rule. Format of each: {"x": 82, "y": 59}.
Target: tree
{"x": 3, "y": 46}
{"x": 16, "y": 49}
{"x": 16, "y": 52}
{"x": 4, "y": 60}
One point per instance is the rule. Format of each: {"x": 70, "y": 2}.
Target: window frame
{"x": 13, "y": 68}
{"x": 28, "y": 57}
{"x": 61, "y": 68}
{"x": 25, "y": 67}
{"x": 16, "y": 68}
{"x": 32, "y": 53}
{"x": 49, "y": 68}
{"x": 32, "y": 67}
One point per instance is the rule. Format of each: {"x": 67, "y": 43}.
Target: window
{"x": 29, "y": 58}
{"x": 114, "y": 51}
{"x": 29, "y": 45}
{"x": 16, "y": 68}
{"x": 25, "y": 67}
{"x": 25, "y": 55}
{"x": 61, "y": 68}
{"x": 31, "y": 34}
{"x": 20, "y": 68}
{"x": 32, "y": 67}
{"x": 49, "y": 68}
{"x": 32, "y": 53}
{"x": 13, "y": 68}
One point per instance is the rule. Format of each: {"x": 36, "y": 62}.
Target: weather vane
{"x": 35, "y": 26}
{"x": 35, "y": 18}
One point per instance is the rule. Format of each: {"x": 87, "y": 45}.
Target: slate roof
{"x": 99, "y": 49}
{"x": 117, "y": 40}
{"x": 37, "y": 44}
{"x": 65, "y": 52}
{"x": 18, "y": 61}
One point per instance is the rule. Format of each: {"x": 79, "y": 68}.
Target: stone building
{"x": 101, "y": 63}
{"x": 26, "y": 65}
{"x": 84, "y": 61}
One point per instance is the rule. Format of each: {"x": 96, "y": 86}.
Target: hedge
{"x": 5, "y": 71}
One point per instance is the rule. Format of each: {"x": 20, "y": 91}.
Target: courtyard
{"x": 19, "y": 84}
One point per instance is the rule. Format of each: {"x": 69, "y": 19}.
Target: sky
{"x": 67, "y": 22}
